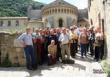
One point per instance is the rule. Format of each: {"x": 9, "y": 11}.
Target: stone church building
{"x": 56, "y": 14}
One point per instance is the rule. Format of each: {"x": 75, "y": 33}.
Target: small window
{"x": 1, "y": 23}
{"x": 9, "y": 23}
{"x": 91, "y": 22}
{"x": 59, "y": 10}
{"x": 17, "y": 23}
{"x": 55, "y": 10}
{"x": 67, "y": 10}
{"x": 62, "y": 10}
{"x": 52, "y": 10}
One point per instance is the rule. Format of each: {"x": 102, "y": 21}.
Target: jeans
{"x": 73, "y": 48}
{"x": 30, "y": 57}
{"x": 97, "y": 52}
{"x": 91, "y": 47}
{"x": 83, "y": 49}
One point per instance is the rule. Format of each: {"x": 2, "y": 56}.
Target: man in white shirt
{"x": 64, "y": 42}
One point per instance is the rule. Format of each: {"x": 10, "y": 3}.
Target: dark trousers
{"x": 101, "y": 52}
{"x": 83, "y": 49}
{"x": 87, "y": 47}
{"x": 97, "y": 52}
{"x": 58, "y": 54}
{"x": 73, "y": 48}
{"x": 30, "y": 57}
{"x": 91, "y": 46}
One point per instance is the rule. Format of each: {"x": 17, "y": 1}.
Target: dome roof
{"x": 59, "y": 3}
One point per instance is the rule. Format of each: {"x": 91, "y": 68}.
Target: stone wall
{"x": 15, "y": 54}
{"x": 107, "y": 28}
{"x": 95, "y": 13}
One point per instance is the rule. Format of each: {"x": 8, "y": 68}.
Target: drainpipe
{"x": 104, "y": 27}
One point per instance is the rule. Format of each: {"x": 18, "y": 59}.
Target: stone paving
{"x": 82, "y": 68}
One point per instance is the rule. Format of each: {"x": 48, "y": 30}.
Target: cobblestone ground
{"x": 82, "y": 68}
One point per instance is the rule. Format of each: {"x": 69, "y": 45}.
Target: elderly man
{"x": 64, "y": 42}
{"x": 26, "y": 40}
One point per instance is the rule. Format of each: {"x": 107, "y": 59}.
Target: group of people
{"x": 50, "y": 45}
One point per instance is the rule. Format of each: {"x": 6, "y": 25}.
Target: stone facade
{"x": 12, "y": 23}
{"x": 99, "y": 16}
{"x": 83, "y": 23}
{"x": 60, "y": 13}
{"x": 36, "y": 24}
{"x": 15, "y": 54}
{"x": 107, "y": 26}
{"x": 96, "y": 13}
{"x": 83, "y": 18}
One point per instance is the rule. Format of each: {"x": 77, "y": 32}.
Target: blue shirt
{"x": 26, "y": 38}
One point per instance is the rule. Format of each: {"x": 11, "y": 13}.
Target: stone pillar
{"x": 107, "y": 28}
{"x": 21, "y": 56}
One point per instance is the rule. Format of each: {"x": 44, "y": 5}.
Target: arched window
{"x": 55, "y": 10}
{"x": 72, "y": 11}
{"x": 9, "y": 23}
{"x": 58, "y": 10}
{"x": 17, "y": 23}
{"x": 49, "y": 11}
{"x": 68, "y": 11}
{"x": 62, "y": 10}
{"x": 60, "y": 21}
{"x": 1, "y": 23}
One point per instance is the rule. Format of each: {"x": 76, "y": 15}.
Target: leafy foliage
{"x": 17, "y": 7}
{"x": 106, "y": 67}
{"x": 6, "y": 62}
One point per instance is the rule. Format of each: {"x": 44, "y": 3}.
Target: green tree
{"x": 17, "y": 7}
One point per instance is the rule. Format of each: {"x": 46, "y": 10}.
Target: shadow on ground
{"x": 43, "y": 68}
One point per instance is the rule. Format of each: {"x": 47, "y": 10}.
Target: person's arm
{"x": 21, "y": 39}
{"x": 49, "y": 50}
{"x": 79, "y": 39}
{"x": 60, "y": 37}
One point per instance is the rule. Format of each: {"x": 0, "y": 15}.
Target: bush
{"x": 108, "y": 73}
{"x": 106, "y": 67}
{"x": 6, "y": 62}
